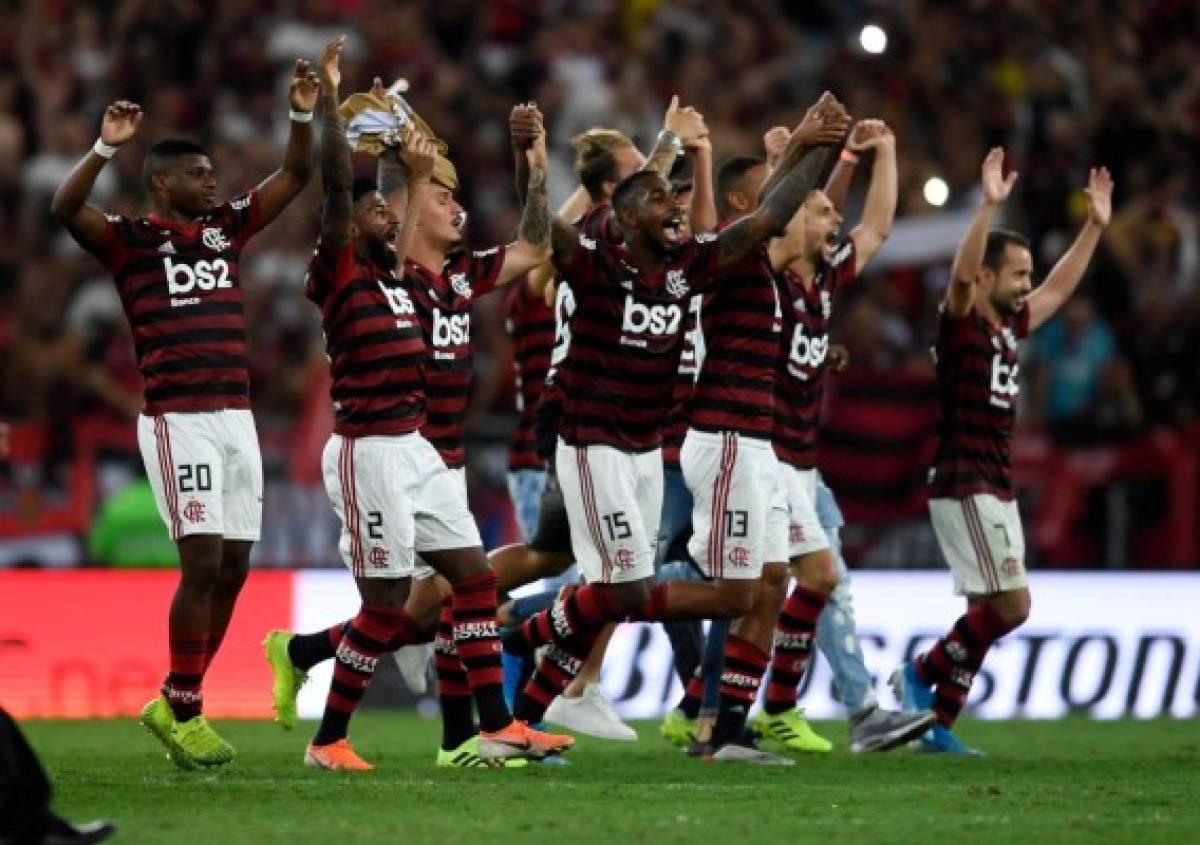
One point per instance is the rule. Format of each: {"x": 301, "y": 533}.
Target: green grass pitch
{"x": 1070, "y": 781}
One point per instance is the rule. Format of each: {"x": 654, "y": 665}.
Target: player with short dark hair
{"x": 698, "y": 658}
{"x": 603, "y": 157}
{"x": 617, "y": 383}
{"x": 178, "y": 275}
{"x": 392, "y": 491}
{"x": 989, "y": 306}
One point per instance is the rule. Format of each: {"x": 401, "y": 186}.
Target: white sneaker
{"x": 731, "y": 752}
{"x": 593, "y": 692}
{"x": 413, "y": 663}
{"x": 590, "y": 714}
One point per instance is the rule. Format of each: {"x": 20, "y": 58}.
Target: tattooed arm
{"x": 823, "y": 126}
{"x": 532, "y": 246}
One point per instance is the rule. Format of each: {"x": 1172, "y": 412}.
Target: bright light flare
{"x": 873, "y": 39}
{"x": 936, "y": 191}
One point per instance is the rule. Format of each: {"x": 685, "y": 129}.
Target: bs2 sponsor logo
{"x": 203, "y": 275}
{"x": 806, "y": 352}
{"x": 451, "y": 329}
{"x": 654, "y": 319}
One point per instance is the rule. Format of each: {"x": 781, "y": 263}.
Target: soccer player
{"x": 617, "y": 384}
{"x": 444, "y": 287}
{"x": 989, "y": 306}
{"x": 602, "y": 158}
{"x": 700, "y": 673}
{"x": 177, "y": 273}
{"x": 814, "y": 260}
{"x": 391, "y": 489}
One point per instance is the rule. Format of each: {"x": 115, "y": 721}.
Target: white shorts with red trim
{"x": 732, "y": 479}
{"x": 982, "y": 540}
{"x": 423, "y": 570}
{"x": 614, "y": 504}
{"x": 394, "y": 497}
{"x": 799, "y": 490}
{"x": 205, "y": 469}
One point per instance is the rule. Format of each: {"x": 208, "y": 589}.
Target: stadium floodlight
{"x": 936, "y": 191}
{"x": 873, "y": 39}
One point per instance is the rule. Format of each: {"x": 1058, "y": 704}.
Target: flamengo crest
{"x": 676, "y": 284}
{"x": 214, "y": 239}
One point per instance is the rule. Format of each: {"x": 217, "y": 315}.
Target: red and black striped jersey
{"x": 626, "y": 338}
{"x": 443, "y": 302}
{"x": 977, "y": 373}
{"x": 685, "y": 380}
{"x": 531, "y": 325}
{"x": 374, "y": 340}
{"x": 181, "y": 290}
{"x": 800, "y": 377}
{"x": 596, "y": 224}
{"x": 741, "y": 325}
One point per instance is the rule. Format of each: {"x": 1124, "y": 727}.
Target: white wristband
{"x": 300, "y": 116}
{"x": 103, "y": 150}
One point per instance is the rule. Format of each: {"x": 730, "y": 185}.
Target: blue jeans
{"x": 837, "y": 632}
{"x": 525, "y": 489}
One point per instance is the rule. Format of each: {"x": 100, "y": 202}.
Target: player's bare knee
{"x": 816, "y": 572}
{"x": 384, "y": 592}
{"x": 235, "y": 566}
{"x": 1015, "y": 607}
{"x": 457, "y": 565}
{"x": 631, "y": 595}
{"x": 550, "y": 564}
{"x": 200, "y": 559}
{"x": 739, "y": 597}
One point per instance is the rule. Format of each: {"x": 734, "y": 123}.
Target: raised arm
{"x": 791, "y": 152}
{"x": 524, "y": 125}
{"x": 968, "y": 260}
{"x": 532, "y": 246}
{"x": 69, "y": 205}
{"x": 418, "y": 158}
{"x": 282, "y": 186}
{"x": 879, "y": 211}
{"x": 337, "y": 171}
{"x": 703, "y": 210}
{"x": 837, "y": 186}
{"x": 564, "y": 239}
{"x": 823, "y": 126}
{"x": 682, "y": 127}
{"x": 1064, "y": 278}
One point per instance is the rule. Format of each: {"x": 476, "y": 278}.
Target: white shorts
{"x": 394, "y": 497}
{"x": 206, "y": 472}
{"x": 732, "y": 480}
{"x": 422, "y": 570}
{"x": 799, "y": 489}
{"x": 614, "y": 504}
{"x": 982, "y": 539}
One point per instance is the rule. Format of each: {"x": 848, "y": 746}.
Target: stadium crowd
{"x": 1060, "y": 86}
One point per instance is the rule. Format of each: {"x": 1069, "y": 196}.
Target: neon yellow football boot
{"x": 287, "y": 678}
{"x": 792, "y": 730}
{"x": 196, "y": 741}
{"x": 466, "y": 756}
{"x": 158, "y": 718}
{"x": 678, "y": 729}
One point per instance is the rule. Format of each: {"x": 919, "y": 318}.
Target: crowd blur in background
{"x": 1106, "y": 452}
